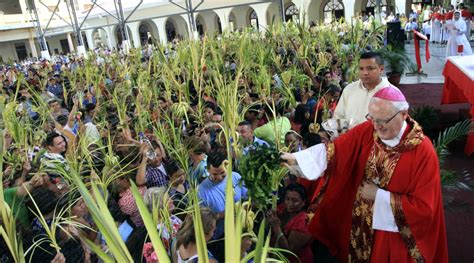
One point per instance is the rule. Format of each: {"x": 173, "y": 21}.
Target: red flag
{"x": 417, "y": 36}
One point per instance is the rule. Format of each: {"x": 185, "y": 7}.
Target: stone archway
{"x": 176, "y": 27}
{"x": 218, "y": 24}
{"x": 314, "y": 11}
{"x": 273, "y": 14}
{"x": 100, "y": 38}
{"x": 370, "y": 6}
{"x": 292, "y": 13}
{"x": 252, "y": 18}
{"x": 148, "y": 32}
{"x": 232, "y": 22}
{"x": 119, "y": 35}
{"x": 201, "y": 25}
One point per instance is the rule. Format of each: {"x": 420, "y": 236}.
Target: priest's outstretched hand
{"x": 289, "y": 161}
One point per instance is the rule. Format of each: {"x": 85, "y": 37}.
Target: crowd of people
{"x": 67, "y": 114}
{"x": 451, "y": 27}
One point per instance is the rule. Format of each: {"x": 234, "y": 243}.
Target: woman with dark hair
{"x": 290, "y": 224}
{"x": 327, "y": 104}
{"x": 178, "y": 186}
{"x": 301, "y": 119}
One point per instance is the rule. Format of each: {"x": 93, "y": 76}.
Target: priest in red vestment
{"x": 381, "y": 201}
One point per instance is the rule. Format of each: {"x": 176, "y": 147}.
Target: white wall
{"x": 53, "y": 43}
{"x": 7, "y": 51}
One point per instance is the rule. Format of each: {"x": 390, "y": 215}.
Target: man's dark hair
{"x": 279, "y": 110}
{"x": 245, "y": 123}
{"x": 216, "y": 158}
{"x": 49, "y": 141}
{"x": 311, "y": 139}
{"x": 210, "y": 105}
{"x": 333, "y": 89}
{"x": 62, "y": 119}
{"x": 51, "y": 101}
{"x": 171, "y": 166}
{"x": 45, "y": 199}
{"x": 369, "y": 55}
{"x": 196, "y": 145}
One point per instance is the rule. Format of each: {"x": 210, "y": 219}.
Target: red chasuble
{"x": 409, "y": 171}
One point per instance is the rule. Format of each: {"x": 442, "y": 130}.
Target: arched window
{"x": 253, "y": 18}
{"x": 372, "y": 5}
{"x": 333, "y": 10}
{"x": 119, "y": 33}
{"x": 144, "y": 32}
{"x": 232, "y": 22}
{"x": 199, "y": 26}
{"x": 170, "y": 30}
{"x": 218, "y": 24}
{"x": 292, "y": 13}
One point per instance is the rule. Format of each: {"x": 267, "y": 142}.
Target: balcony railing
{"x": 20, "y": 20}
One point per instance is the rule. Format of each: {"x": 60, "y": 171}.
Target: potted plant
{"x": 397, "y": 60}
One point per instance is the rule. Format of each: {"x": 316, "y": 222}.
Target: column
{"x": 400, "y": 6}
{"x": 90, "y": 39}
{"x": 224, "y": 15}
{"x": 349, "y": 11}
{"x": 70, "y": 43}
{"x": 161, "y": 26}
{"x": 261, "y": 10}
{"x": 112, "y": 41}
{"x": 303, "y": 11}
{"x": 183, "y": 28}
{"x": 210, "y": 27}
{"x": 135, "y": 37}
{"x": 31, "y": 42}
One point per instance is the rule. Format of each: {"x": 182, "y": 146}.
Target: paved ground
{"x": 433, "y": 68}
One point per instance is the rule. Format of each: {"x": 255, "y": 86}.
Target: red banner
{"x": 417, "y": 36}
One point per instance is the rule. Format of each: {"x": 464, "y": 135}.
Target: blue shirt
{"x": 200, "y": 173}
{"x": 57, "y": 90}
{"x": 212, "y": 195}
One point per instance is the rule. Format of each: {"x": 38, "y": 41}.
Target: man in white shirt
{"x": 355, "y": 98}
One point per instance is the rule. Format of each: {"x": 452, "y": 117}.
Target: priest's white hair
{"x": 397, "y": 105}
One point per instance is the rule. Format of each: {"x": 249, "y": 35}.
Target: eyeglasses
{"x": 381, "y": 122}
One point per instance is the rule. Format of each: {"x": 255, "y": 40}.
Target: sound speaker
{"x": 395, "y": 35}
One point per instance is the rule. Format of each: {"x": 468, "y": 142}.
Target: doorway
{"x": 21, "y": 51}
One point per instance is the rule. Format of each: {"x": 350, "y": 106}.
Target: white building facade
{"x": 153, "y": 20}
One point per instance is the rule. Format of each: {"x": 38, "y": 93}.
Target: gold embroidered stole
{"x": 379, "y": 170}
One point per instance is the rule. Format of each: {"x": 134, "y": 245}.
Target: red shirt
{"x": 129, "y": 207}
{"x": 449, "y": 15}
{"x": 466, "y": 14}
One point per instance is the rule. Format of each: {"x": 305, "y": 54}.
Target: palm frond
{"x": 449, "y": 135}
